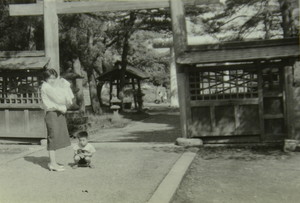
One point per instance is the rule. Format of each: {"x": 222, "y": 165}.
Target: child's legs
{"x": 76, "y": 158}
{"x": 88, "y": 159}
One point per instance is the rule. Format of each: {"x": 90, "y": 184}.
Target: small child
{"x": 63, "y": 90}
{"x": 83, "y": 151}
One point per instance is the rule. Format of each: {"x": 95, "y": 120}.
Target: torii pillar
{"x": 168, "y": 43}
{"x": 51, "y": 33}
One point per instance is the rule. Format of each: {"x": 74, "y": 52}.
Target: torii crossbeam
{"x": 98, "y": 6}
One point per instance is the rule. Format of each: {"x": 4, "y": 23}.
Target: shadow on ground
{"x": 166, "y": 128}
{"x": 162, "y": 126}
{"x": 41, "y": 161}
{"x": 135, "y": 116}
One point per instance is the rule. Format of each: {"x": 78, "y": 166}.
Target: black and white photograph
{"x": 149, "y": 101}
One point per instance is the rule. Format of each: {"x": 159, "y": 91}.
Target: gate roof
{"x": 115, "y": 73}
{"x": 23, "y": 63}
{"x": 241, "y": 51}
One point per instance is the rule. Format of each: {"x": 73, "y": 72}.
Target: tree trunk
{"x": 124, "y": 63}
{"x": 96, "y": 106}
{"x": 287, "y": 21}
{"x": 267, "y": 22}
{"x": 79, "y": 95}
{"x": 173, "y": 81}
{"x": 99, "y": 92}
{"x": 31, "y": 44}
{"x": 93, "y": 92}
{"x": 124, "y": 60}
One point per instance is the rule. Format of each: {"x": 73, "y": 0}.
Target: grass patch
{"x": 242, "y": 153}
{"x": 106, "y": 121}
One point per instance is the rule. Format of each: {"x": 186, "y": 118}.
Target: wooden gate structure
{"x": 236, "y": 92}
{"x": 21, "y": 113}
{"x": 246, "y": 94}
{"x": 241, "y": 92}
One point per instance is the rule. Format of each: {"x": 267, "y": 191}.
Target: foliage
{"x": 18, "y": 33}
{"x": 102, "y": 39}
{"x": 238, "y": 20}
{"x": 81, "y": 37}
{"x": 143, "y": 56}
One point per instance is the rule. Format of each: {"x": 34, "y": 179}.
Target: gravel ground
{"x": 241, "y": 175}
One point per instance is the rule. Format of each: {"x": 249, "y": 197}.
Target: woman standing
{"x": 55, "y": 106}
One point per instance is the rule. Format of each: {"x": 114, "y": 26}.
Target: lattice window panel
{"x": 20, "y": 90}
{"x": 272, "y": 82}
{"x": 223, "y": 84}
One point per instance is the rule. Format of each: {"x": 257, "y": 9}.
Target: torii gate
{"x": 50, "y": 8}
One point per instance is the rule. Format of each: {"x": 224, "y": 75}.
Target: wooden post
{"x": 178, "y": 26}
{"x": 236, "y": 117}
{"x": 118, "y": 87}
{"x": 26, "y": 118}
{"x": 134, "y": 92}
{"x": 261, "y": 104}
{"x": 180, "y": 43}
{"x": 7, "y": 122}
{"x": 51, "y": 33}
{"x": 110, "y": 90}
{"x": 289, "y": 101}
{"x": 139, "y": 97}
{"x": 212, "y": 111}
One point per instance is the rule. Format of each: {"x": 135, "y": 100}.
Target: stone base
{"x": 189, "y": 142}
{"x": 43, "y": 142}
{"x": 290, "y": 145}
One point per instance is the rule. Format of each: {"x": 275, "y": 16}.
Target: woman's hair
{"x": 48, "y": 72}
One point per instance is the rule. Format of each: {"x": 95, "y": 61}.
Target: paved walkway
{"x": 124, "y": 173}
{"x": 12, "y": 152}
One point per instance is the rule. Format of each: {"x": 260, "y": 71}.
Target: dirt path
{"x": 163, "y": 125}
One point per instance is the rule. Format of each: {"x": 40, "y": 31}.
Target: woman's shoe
{"x": 61, "y": 166}
{"x": 58, "y": 169}
{"x": 75, "y": 166}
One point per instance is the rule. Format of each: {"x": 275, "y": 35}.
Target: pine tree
{"x": 243, "y": 19}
